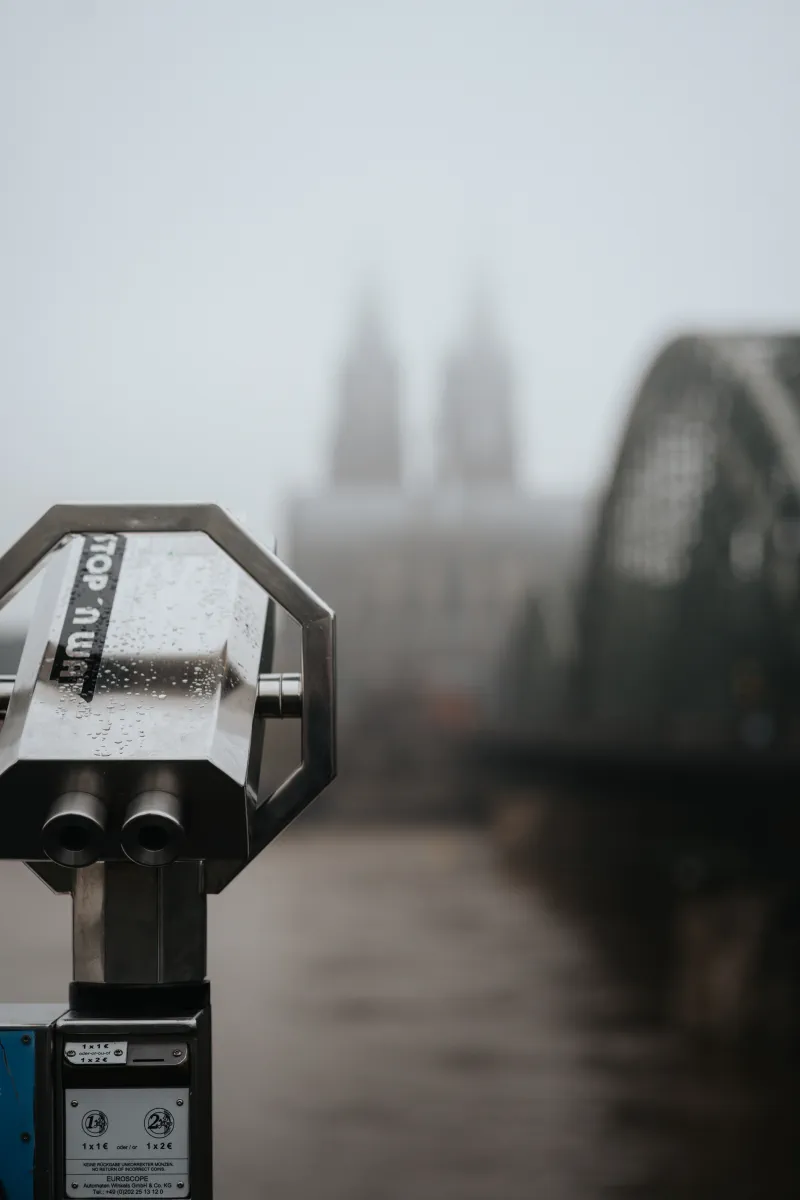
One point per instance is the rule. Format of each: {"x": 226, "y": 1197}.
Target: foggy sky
{"x": 193, "y": 194}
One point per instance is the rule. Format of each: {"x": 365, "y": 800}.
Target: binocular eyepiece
{"x": 74, "y": 830}
{"x": 152, "y": 832}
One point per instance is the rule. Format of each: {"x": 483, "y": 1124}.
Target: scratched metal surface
{"x": 17, "y": 1082}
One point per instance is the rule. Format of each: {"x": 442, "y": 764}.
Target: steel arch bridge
{"x": 686, "y": 612}
{"x": 688, "y": 617}
{"x": 651, "y": 758}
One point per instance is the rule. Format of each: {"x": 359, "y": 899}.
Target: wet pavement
{"x": 396, "y": 1018}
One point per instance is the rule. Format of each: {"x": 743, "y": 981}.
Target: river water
{"x": 397, "y": 1019}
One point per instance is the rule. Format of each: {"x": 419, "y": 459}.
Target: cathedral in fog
{"x": 425, "y": 580}
{"x": 475, "y": 432}
{"x": 367, "y": 449}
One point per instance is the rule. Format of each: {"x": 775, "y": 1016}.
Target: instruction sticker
{"x": 127, "y": 1142}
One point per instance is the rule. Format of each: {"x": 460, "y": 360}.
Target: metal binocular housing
{"x": 134, "y": 727}
{"x": 130, "y": 756}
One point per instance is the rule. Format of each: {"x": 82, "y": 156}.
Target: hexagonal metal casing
{"x": 152, "y": 682}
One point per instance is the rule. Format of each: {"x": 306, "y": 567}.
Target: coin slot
{"x": 170, "y": 1054}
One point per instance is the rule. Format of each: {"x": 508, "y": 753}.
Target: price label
{"x": 88, "y": 1054}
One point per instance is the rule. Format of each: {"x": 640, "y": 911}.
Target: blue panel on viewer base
{"x": 17, "y": 1087}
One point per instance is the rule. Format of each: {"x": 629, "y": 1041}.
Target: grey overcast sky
{"x": 193, "y": 192}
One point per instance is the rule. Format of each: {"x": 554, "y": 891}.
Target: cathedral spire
{"x": 476, "y": 435}
{"x": 366, "y": 444}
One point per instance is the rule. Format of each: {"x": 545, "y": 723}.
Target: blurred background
{"x": 490, "y": 313}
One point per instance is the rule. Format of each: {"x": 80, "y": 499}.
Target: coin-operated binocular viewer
{"x": 130, "y": 755}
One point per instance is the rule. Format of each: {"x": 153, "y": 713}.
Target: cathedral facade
{"x": 425, "y": 581}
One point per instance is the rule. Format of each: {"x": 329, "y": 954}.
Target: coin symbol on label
{"x": 159, "y": 1122}
{"x": 94, "y": 1123}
